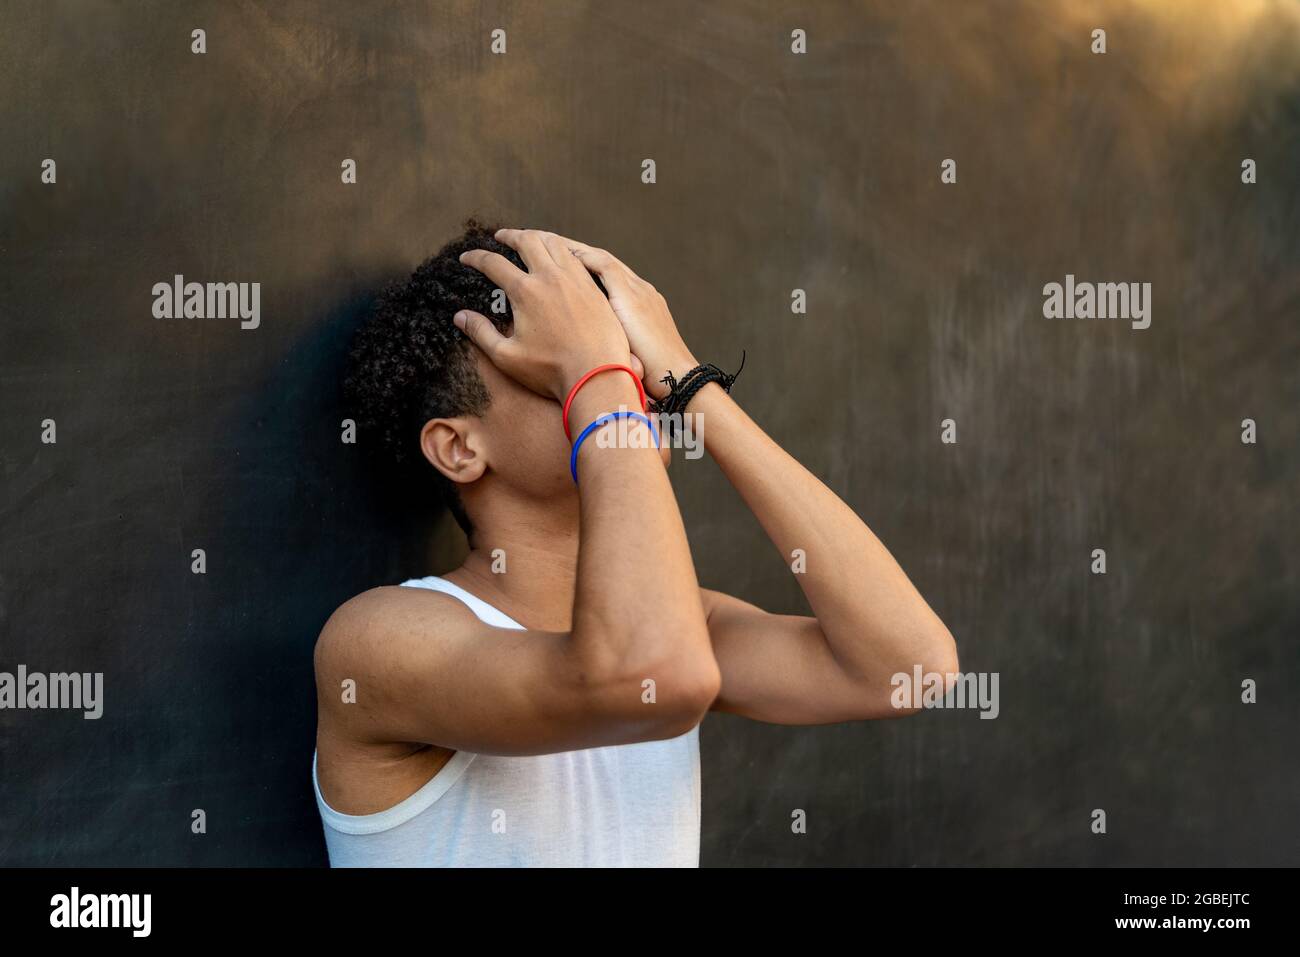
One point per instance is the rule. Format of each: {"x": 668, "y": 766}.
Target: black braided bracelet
{"x": 694, "y": 385}
{"x": 681, "y": 391}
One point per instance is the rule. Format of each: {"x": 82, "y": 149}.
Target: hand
{"x": 644, "y": 315}
{"x": 563, "y": 326}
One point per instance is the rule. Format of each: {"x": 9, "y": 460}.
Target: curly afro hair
{"x": 409, "y": 363}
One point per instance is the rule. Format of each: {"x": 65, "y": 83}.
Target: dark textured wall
{"x": 776, "y": 171}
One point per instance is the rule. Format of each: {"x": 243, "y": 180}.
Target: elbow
{"x": 941, "y": 656}
{"x": 653, "y": 696}
{"x": 667, "y": 699}
{"x": 929, "y": 671}
{"x": 932, "y": 649}
{"x": 691, "y": 691}
{"x": 674, "y": 696}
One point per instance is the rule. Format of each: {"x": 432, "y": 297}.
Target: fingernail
{"x": 459, "y": 319}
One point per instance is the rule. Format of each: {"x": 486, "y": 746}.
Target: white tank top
{"x": 633, "y": 805}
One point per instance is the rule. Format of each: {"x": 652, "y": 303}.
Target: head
{"x": 432, "y": 402}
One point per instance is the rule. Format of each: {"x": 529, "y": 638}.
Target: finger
{"x": 614, "y": 275}
{"x": 496, "y": 267}
{"x": 595, "y": 256}
{"x": 481, "y": 332}
{"x": 637, "y": 366}
{"x": 528, "y": 244}
{"x": 562, "y": 253}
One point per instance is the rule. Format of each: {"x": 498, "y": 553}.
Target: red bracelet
{"x": 640, "y": 390}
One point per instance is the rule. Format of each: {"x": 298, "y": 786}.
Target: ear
{"x": 452, "y": 447}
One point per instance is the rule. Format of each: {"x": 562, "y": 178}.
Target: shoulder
{"x": 383, "y": 619}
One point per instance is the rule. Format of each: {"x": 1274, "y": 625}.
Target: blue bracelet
{"x": 608, "y": 416}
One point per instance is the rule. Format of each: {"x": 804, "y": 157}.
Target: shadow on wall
{"x": 326, "y": 523}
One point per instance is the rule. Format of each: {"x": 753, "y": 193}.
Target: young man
{"x": 539, "y": 705}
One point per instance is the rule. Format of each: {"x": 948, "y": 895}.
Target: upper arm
{"x": 426, "y": 669}
{"x": 781, "y": 669}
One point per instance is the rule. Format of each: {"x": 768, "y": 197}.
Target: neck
{"x": 537, "y": 546}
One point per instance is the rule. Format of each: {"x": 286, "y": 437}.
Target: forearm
{"x": 874, "y": 620}
{"x": 637, "y": 608}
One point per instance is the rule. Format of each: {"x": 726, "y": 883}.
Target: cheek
{"x": 528, "y": 443}
{"x": 549, "y": 452}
